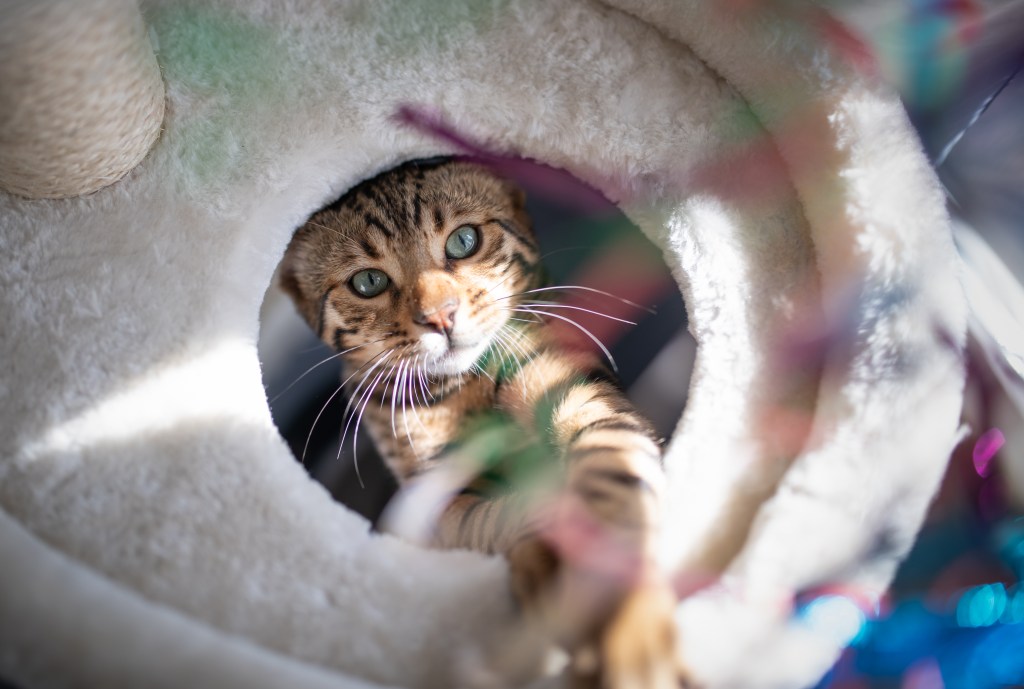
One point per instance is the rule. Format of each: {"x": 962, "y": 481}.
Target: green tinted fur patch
{"x": 507, "y": 459}
{"x": 231, "y": 65}
{"x": 504, "y": 363}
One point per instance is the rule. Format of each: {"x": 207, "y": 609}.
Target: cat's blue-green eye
{"x": 370, "y": 282}
{"x": 462, "y": 242}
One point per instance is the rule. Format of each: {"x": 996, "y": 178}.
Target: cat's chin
{"x": 457, "y": 359}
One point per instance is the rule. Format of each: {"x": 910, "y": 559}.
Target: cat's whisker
{"x": 500, "y": 340}
{"x": 398, "y": 392}
{"x": 518, "y": 336}
{"x": 309, "y": 435}
{"x": 420, "y": 382}
{"x": 368, "y": 395}
{"x": 425, "y": 384}
{"x": 504, "y": 339}
{"x": 499, "y": 283}
{"x": 405, "y": 416}
{"x": 554, "y": 288}
{"x": 556, "y": 305}
{"x": 329, "y": 229}
{"x": 560, "y": 251}
{"x": 517, "y": 339}
{"x": 356, "y": 399}
{"x": 573, "y": 323}
{"x": 317, "y": 365}
{"x": 480, "y": 370}
{"x": 394, "y": 396}
{"x": 362, "y": 381}
{"x": 341, "y": 387}
{"x": 364, "y": 401}
{"x": 389, "y": 378}
{"x": 396, "y": 386}
{"x": 507, "y": 308}
{"x": 417, "y": 375}
{"x": 307, "y": 350}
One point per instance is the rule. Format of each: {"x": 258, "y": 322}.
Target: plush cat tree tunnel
{"x": 154, "y": 528}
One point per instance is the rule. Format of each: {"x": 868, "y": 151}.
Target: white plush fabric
{"x": 158, "y": 525}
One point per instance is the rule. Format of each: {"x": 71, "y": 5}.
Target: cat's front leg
{"x": 607, "y": 599}
{"x": 605, "y": 535}
{"x": 601, "y": 599}
{"x": 582, "y": 563}
{"x": 607, "y": 550}
{"x": 486, "y": 524}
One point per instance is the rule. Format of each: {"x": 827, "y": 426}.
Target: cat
{"x": 426, "y": 280}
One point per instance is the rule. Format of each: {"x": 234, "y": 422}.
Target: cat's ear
{"x": 289, "y": 278}
{"x": 518, "y": 196}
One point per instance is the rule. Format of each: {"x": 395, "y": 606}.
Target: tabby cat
{"x": 426, "y": 279}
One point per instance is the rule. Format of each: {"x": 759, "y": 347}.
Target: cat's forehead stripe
{"x": 417, "y": 206}
{"x": 372, "y": 221}
{"x": 369, "y": 192}
{"x": 369, "y": 249}
{"x": 507, "y": 226}
{"x": 492, "y": 253}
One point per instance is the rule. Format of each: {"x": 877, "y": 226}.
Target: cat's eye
{"x": 370, "y": 282}
{"x": 462, "y": 242}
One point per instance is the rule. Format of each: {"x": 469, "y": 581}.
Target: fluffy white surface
{"x": 147, "y": 497}
{"x": 847, "y": 508}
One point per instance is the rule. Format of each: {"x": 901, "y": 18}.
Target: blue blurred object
{"x": 973, "y": 641}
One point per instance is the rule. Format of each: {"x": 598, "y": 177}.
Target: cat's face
{"x": 420, "y": 264}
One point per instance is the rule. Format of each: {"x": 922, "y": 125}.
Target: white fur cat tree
{"x": 154, "y": 529}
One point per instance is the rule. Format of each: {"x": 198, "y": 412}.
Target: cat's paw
{"x": 617, "y": 638}
{"x": 637, "y": 646}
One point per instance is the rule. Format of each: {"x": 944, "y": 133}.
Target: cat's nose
{"x": 442, "y": 318}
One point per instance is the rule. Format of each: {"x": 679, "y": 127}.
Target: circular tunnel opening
{"x": 618, "y": 291}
